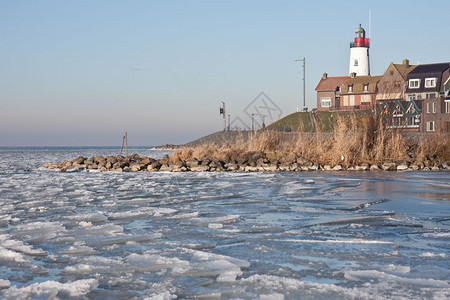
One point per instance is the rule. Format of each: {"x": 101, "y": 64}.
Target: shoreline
{"x": 258, "y": 162}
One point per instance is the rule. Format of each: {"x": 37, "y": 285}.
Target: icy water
{"x": 306, "y": 235}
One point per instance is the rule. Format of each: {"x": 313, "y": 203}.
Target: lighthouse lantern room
{"x": 359, "y": 54}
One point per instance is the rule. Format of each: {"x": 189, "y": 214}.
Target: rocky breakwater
{"x": 252, "y": 162}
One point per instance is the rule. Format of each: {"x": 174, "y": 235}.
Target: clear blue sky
{"x": 83, "y": 72}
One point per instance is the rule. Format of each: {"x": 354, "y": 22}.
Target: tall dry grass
{"x": 354, "y": 140}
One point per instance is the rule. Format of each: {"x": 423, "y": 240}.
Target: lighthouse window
{"x": 414, "y": 83}
{"x": 356, "y": 63}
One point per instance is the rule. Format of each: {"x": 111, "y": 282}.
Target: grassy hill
{"x": 303, "y": 121}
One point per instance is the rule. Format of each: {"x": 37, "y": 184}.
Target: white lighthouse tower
{"x": 359, "y": 53}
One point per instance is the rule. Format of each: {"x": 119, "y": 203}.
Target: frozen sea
{"x": 305, "y": 235}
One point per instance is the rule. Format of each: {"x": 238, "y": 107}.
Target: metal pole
{"x": 126, "y": 144}
{"x": 304, "y": 98}
{"x": 224, "y": 118}
{"x": 304, "y": 76}
{"x": 253, "y": 122}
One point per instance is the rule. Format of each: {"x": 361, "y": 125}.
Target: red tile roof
{"x": 331, "y": 83}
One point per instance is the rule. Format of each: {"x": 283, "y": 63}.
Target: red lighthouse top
{"x": 360, "y": 38}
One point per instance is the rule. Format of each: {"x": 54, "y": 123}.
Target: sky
{"x": 81, "y": 73}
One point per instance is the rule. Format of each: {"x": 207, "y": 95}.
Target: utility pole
{"x": 223, "y": 113}
{"x": 304, "y": 98}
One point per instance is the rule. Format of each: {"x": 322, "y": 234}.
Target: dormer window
{"x": 430, "y": 82}
{"x": 414, "y": 83}
{"x": 350, "y": 88}
{"x": 366, "y": 87}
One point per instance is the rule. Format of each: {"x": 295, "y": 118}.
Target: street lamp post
{"x": 304, "y": 62}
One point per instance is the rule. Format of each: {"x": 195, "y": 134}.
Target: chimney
{"x": 324, "y": 76}
{"x": 353, "y": 75}
{"x": 406, "y": 62}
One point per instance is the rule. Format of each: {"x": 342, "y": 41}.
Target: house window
{"x": 397, "y": 84}
{"x": 412, "y": 97}
{"x": 430, "y": 82}
{"x": 419, "y": 97}
{"x": 365, "y": 87}
{"x": 447, "y": 107}
{"x": 434, "y": 107}
{"x": 325, "y": 102}
{"x": 430, "y": 126}
{"x": 338, "y": 89}
{"x": 355, "y": 63}
{"x": 392, "y": 72}
{"x": 430, "y": 95}
{"x": 350, "y": 88}
{"x": 414, "y": 83}
{"x": 428, "y": 108}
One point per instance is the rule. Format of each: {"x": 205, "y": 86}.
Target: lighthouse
{"x": 359, "y": 53}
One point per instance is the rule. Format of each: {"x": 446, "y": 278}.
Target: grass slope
{"x": 302, "y": 121}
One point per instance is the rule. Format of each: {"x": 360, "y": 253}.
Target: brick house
{"x": 328, "y": 92}
{"x": 397, "y": 112}
{"x": 429, "y": 85}
{"x": 393, "y": 82}
{"x": 359, "y": 92}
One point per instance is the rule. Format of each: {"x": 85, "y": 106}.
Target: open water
{"x": 305, "y": 235}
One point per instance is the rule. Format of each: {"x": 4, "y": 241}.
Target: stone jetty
{"x": 257, "y": 162}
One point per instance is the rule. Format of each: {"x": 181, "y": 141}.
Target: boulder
{"x": 314, "y": 167}
{"x": 199, "y": 168}
{"x": 338, "y": 168}
{"x": 79, "y": 160}
{"x": 327, "y": 168}
{"x": 231, "y": 167}
{"x": 402, "y": 167}
{"x": 166, "y": 168}
{"x": 362, "y": 167}
{"x": 389, "y": 166}
{"x": 251, "y": 169}
{"x": 374, "y": 168}
{"x": 271, "y": 168}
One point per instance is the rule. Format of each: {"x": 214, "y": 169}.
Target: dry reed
{"x": 354, "y": 140}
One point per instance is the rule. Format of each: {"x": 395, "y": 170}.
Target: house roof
{"x": 331, "y": 83}
{"x": 358, "y": 84}
{"x": 422, "y": 72}
{"x": 430, "y": 68}
{"x": 404, "y": 70}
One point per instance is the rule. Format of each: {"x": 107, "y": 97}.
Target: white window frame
{"x": 428, "y": 108}
{"x": 430, "y": 126}
{"x": 447, "y": 106}
{"x": 350, "y": 88}
{"x": 434, "y": 107}
{"x": 326, "y": 101}
{"x": 365, "y": 87}
{"x": 414, "y": 83}
{"x": 430, "y": 82}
